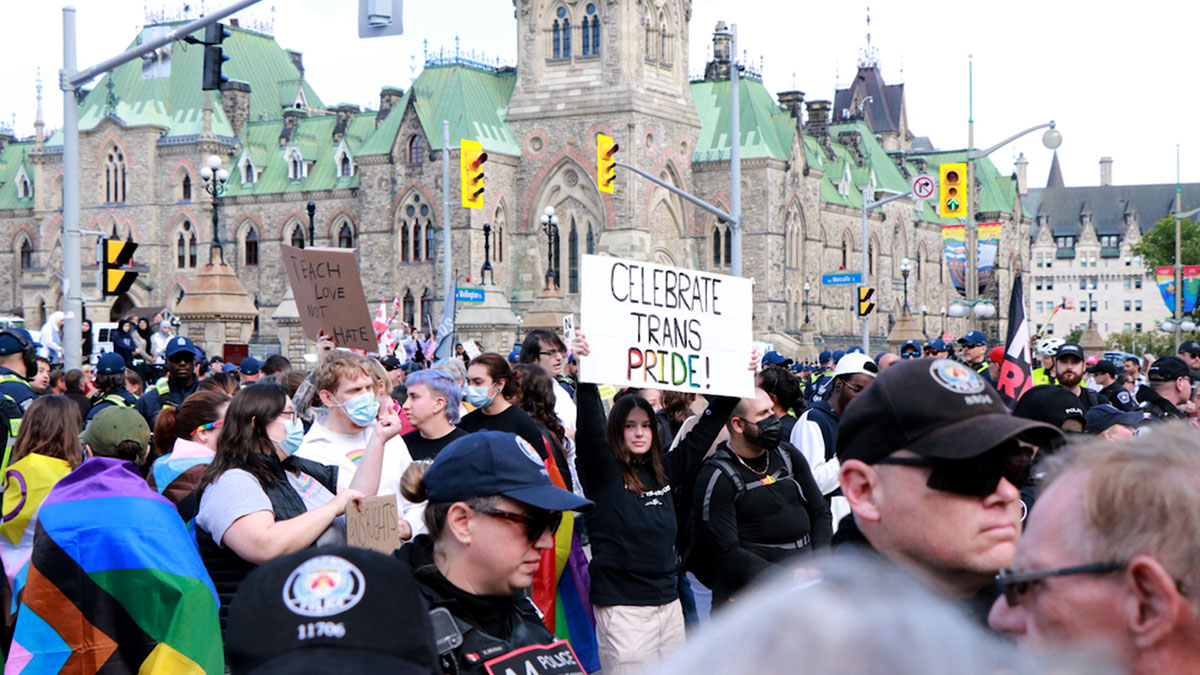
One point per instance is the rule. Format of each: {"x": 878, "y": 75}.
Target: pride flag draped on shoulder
{"x": 114, "y": 584}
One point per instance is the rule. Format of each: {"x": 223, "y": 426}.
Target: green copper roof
{"x": 314, "y": 139}
{"x": 175, "y": 101}
{"x": 767, "y": 129}
{"x": 10, "y": 166}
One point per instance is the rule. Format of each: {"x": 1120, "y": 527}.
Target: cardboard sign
{"x": 569, "y": 330}
{"x": 661, "y": 327}
{"x": 329, "y": 295}
{"x": 556, "y": 658}
{"x": 375, "y": 526}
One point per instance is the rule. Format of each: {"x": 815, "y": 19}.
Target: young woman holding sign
{"x": 636, "y": 485}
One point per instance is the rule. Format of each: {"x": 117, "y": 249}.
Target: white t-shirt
{"x": 345, "y": 451}
{"x": 238, "y": 493}
{"x": 564, "y": 407}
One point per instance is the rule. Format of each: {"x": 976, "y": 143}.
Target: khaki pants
{"x": 633, "y": 639}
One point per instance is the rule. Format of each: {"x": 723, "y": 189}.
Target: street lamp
{"x": 487, "y": 255}
{"x": 214, "y": 184}
{"x": 807, "y": 288}
{"x": 550, "y": 227}
{"x": 311, "y": 207}
{"x": 905, "y": 268}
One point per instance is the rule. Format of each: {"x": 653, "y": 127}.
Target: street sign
{"x": 468, "y": 294}
{"x": 840, "y": 279}
{"x": 923, "y": 186}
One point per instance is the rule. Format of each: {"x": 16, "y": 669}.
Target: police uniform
{"x": 1119, "y": 398}
{"x": 16, "y": 389}
{"x": 119, "y": 397}
{"x": 1042, "y": 375}
{"x": 15, "y": 393}
{"x": 162, "y": 395}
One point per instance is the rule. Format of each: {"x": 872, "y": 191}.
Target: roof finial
{"x": 38, "y": 124}
{"x": 868, "y": 57}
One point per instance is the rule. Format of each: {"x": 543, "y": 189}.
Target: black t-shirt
{"x": 420, "y": 447}
{"x": 513, "y": 420}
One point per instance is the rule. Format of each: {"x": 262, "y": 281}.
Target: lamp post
{"x": 487, "y": 255}
{"x": 807, "y": 288}
{"x": 214, "y": 184}
{"x": 550, "y": 227}
{"x": 905, "y": 269}
{"x": 311, "y": 208}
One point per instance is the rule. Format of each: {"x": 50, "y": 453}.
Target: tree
{"x": 1148, "y": 342}
{"x": 1158, "y": 244}
{"x": 1074, "y": 336}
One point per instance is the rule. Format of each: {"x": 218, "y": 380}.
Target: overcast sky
{"x": 1112, "y": 75}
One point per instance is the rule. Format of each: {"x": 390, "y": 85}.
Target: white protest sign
{"x": 660, "y": 327}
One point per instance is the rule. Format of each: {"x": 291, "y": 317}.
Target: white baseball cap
{"x": 851, "y": 364}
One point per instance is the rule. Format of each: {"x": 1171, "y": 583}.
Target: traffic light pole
{"x": 686, "y": 195}
{"x": 867, "y": 207}
{"x": 70, "y": 82}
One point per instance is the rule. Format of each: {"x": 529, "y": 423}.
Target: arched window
{"x": 573, "y": 259}
{"x": 345, "y": 167}
{"x": 664, "y": 49}
{"x": 24, "y": 186}
{"x": 409, "y": 308}
{"x": 404, "y": 242}
{"x": 181, "y": 252}
{"x": 192, "y": 246}
{"x": 871, "y": 258}
{"x": 416, "y": 241}
{"x": 556, "y": 36}
{"x": 728, "y": 246}
{"x": 591, "y": 240}
{"x": 416, "y": 150}
{"x": 250, "y": 248}
{"x": 26, "y": 255}
{"x": 845, "y": 252}
{"x": 295, "y": 162}
{"x": 500, "y": 246}
{"x": 426, "y": 309}
{"x": 346, "y": 236}
{"x": 114, "y": 176}
{"x": 650, "y": 41}
{"x": 595, "y": 28}
{"x": 556, "y": 255}
{"x": 248, "y": 173}
{"x": 298, "y": 237}
{"x": 920, "y": 263}
{"x": 566, "y": 38}
{"x": 585, "y": 36}
{"x": 429, "y": 235}
{"x": 716, "y": 246}
{"x": 185, "y": 188}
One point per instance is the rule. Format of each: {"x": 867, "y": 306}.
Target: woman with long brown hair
{"x": 185, "y": 442}
{"x": 537, "y": 399}
{"x": 258, "y": 502}
{"x": 635, "y": 484}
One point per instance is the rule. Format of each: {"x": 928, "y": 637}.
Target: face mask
{"x": 478, "y": 397}
{"x": 769, "y": 433}
{"x": 295, "y": 435}
{"x": 362, "y": 409}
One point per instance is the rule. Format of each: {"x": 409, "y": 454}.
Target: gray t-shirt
{"x": 237, "y": 493}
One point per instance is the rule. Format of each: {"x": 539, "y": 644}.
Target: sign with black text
{"x": 660, "y": 327}
{"x": 329, "y": 295}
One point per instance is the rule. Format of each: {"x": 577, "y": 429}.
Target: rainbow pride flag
{"x": 114, "y": 583}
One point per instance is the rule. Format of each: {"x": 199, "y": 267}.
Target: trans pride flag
{"x": 115, "y": 583}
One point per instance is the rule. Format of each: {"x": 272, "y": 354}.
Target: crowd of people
{"x": 552, "y": 525}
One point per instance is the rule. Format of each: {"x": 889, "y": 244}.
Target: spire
{"x": 1056, "y": 178}
{"x": 868, "y": 57}
{"x": 38, "y": 123}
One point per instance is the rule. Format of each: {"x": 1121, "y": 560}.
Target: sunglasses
{"x": 910, "y": 355}
{"x": 1015, "y": 585}
{"x": 974, "y": 477}
{"x": 181, "y": 358}
{"x": 535, "y": 522}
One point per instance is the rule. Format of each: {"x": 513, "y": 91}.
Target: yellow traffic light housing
{"x": 865, "y": 305}
{"x": 606, "y": 163}
{"x": 952, "y": 197}
{"x": 470, "y": 160}
{"x": 116, "y": 254}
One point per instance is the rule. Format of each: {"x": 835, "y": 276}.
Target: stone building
{"x": 1082, "y": 251}
{"x": 617, "y": 67}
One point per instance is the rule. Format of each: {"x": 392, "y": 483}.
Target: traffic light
{"x": 116, "y": 254}
{"x": 214, "y": 56}
{"x": 864, "y": 300}
{"x": 470, "y": 163}
{"x": 606, "y": 163}
{"x": 952, "y": 201}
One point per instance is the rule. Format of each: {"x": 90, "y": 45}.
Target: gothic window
{"x": 920, "y": 263}
{"x": 416, "y": 150}
{"x": 585, "y": 36}
{"x": 871, "y": 258}
{"x": 345, "y": 166}
{"x": 248, "y": 173}
{"x": 404, "y": 242}
{"x": 664, "y": 52}
{"x": 573, "y": 259}
{"x": 250, "y": 248}
{"x": 408, "y": 308}
{"x": 591, "y": 240}
{"x": 295, "y": 164}
{"x": 346, "y": 236}
{"x": 556, "y": 34}
{"x": 595, "y": 27}
{"x": 185, "y": 188}
{"x": 500, "y": 246}
{"x": 26, "y": 255}
{"x": 556, "y": 255}
{"x": 181, "y": 252}
{"x": 416, "y": 241}
{"x": 728, "y": 246}
{"x": 192, "y": 246}
{"x": 24, "y": 186}
{"x": 426, "y": 309}
{"x": 649, "y": 23}
{"x": 716, "y": 246}
{"x": 297, "y": 237}
{"x": 429, "y": 234}
{"x": 566, "y": 38}
{"x": 845, "y": 252}
{"x": 114, "y": 176}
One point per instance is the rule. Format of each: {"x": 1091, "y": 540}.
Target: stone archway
{"x": 120, "y": 307}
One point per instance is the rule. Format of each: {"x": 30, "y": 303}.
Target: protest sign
{"x": 375, "y": 525}
{"x": 329, "y": 295}
{"x": 569, "y": 329}
{"x": 471, "y": 349}
{"x": 556, "y": 658}
{"x": 649, "y": 325}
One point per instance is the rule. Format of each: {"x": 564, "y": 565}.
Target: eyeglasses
{"x": 290, "y": 414}
{"x": 535, "y": 522}
{"x": 856, "y": 388}
{"x": 551, "y": 352}
{"x": 210, "y": 425}
{"x": 1014, "y": 585}
{"x": 974, "y": 477}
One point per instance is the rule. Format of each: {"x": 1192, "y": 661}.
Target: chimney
{"x": 1021, "y": 167}
{"x": 818, "y": 119}
{"x": 1105, "y": 171}
{"x": 297, "y": 60}
{"x": 235, "y": 101}
{"x": 345, "y": 112}
{"x": 793, "y": 101}
{"x": 388, "y": 98}
{"x": 291, "y": 120}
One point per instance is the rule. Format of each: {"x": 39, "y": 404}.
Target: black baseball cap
{"x": 488, "y": 463}
{"x": 324, "y": 610}
{"x": 934, "y": 408}
{"x": 1106, "y": 367}
{"x": 1190, "y": 347}
{"x": 1051, "y": 404}
{"x": 1101, "y": 417}
{"x": 1070, "y": 349}
{"x": 1169, "y": 368}
{"x": 390, "y": 363}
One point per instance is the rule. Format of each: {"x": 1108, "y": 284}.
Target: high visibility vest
{"x": 1040, "y": 376}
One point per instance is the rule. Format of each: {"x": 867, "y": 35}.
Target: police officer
{"x": 110, "y": 385}
{"x": 179, "y": 383}
{"x": 1170, "y": 387}
{"x": 1068, "y": 370}
{"x": 936, "y": 349}
{"x": 1105, "y": 373}
{"x": 974, "y": 352}
{"x": 18, "y": 361}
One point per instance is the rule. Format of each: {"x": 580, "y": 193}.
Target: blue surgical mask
{"x": 478, "y": 397}
{"x": 362, "y": 409}
{"x": 295, "y": 436}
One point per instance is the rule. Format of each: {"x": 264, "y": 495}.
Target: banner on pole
{"x": 650, "y": 325}
{"x": 986, "y": 251}
{"x": 1165, "y": 276}
{"x": 954, "y": 240}
{"x": 1016, "y": 371}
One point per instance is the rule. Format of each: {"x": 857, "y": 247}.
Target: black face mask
{"x": 768, "y": 432}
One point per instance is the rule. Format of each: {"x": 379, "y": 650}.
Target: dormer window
{"x": 24, "y": 185}
{"x": 345, "y": 165}
{"x": 297, "y": 169}
{"x": 301, "y": 101}
{"x": 246, "y": 167}
{"x": 416, "y": 150}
